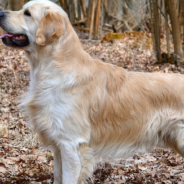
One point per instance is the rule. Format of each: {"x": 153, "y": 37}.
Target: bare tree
{"x": 16, "y": 5}
{"x": 3, "y": 4}
{"x": 155, "y": 15}
{"x": 173, "y": 14}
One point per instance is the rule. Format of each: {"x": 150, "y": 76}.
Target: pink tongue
{"x": 6, "y": 35}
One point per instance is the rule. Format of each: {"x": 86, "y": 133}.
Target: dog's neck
{"x": 66, "y": 54}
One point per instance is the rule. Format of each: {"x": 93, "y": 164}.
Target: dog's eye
{"x": 27, "y": 13}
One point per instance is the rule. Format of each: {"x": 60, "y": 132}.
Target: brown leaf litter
{"x": 22, "y": 160}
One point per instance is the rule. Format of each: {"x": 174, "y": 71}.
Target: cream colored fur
{"x": 83, "y": 108}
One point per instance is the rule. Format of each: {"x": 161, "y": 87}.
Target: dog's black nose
{"x": 2, "y": 14}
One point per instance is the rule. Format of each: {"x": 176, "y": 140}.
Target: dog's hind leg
{"x": 87, "y": 162}
{"x": 175, "y": 138}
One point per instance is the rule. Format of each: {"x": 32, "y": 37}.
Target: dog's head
{"x": 39, "y": 22}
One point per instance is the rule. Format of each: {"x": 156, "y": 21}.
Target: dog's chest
{"x": 48, "y": 110}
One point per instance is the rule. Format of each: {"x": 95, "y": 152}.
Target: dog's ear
{"x": 50, "y": 28}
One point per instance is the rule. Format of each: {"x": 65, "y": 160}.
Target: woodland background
{"x": 139, "y": 35}
{"x": 99, "y": 16}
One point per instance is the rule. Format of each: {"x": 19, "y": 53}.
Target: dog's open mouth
{"x": 14, "y": 40}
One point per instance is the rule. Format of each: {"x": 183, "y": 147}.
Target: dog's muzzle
{"x": 11, "y": 39}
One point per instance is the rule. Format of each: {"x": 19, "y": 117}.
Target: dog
{"x": 83, "y": 108}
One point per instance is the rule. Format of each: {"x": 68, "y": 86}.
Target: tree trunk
{"x": 92, "y": 19}
{"x": 167, "y": 28}
{"x": 97, "y": 18}
{"x": 172, "y": 11}
{"x": 3, "y": 4}
{"x": 17, "y": 5}
{"x": 156, "y": 28}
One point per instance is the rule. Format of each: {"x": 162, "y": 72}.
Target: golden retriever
{"x": 83, "y": 108}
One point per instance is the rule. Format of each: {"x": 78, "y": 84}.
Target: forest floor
{"x": 22, "y": 160}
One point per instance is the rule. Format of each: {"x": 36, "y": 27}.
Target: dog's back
{"x": 133, "y": 111}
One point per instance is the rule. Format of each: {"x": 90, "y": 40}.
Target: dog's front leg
{"x": 71, "y": 164}
{"x": 57, "y": 166}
